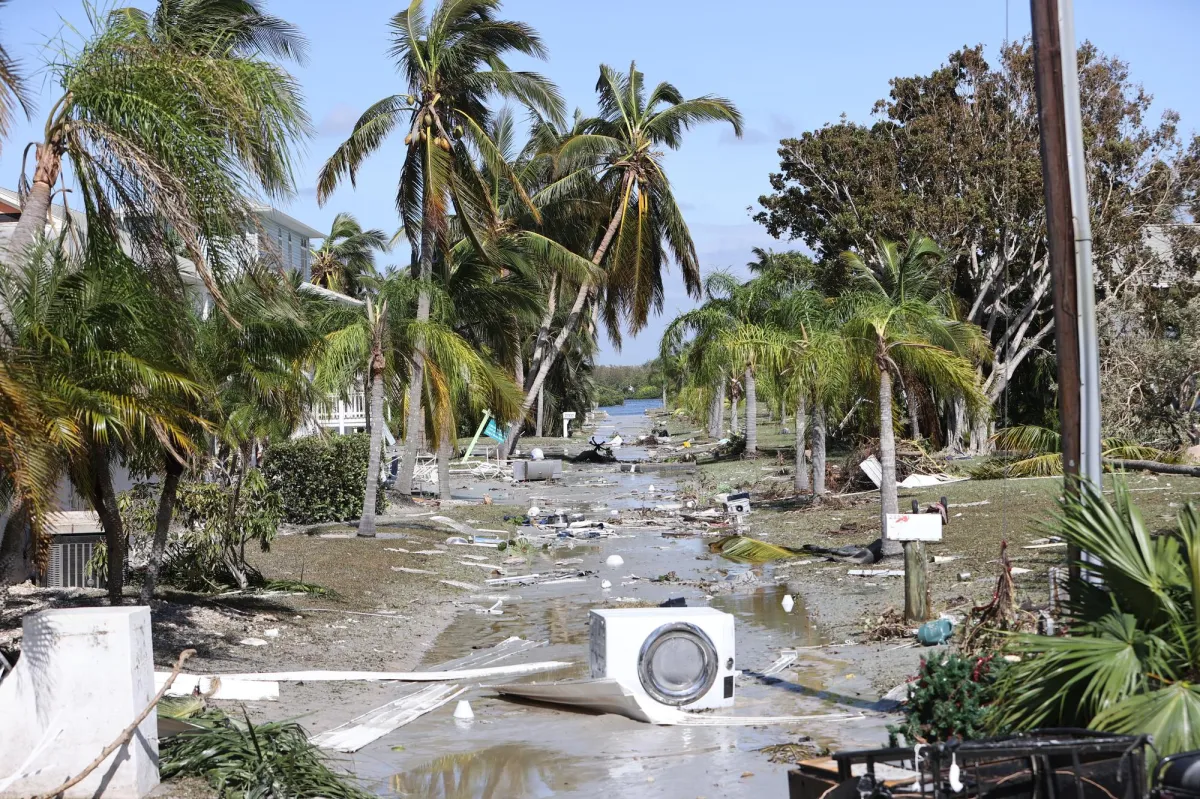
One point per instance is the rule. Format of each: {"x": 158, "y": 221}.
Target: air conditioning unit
{"x": 679, "y": 657}
{"x": 69, "y": 556}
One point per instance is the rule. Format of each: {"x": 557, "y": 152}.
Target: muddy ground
{"x": 383, "y": 618}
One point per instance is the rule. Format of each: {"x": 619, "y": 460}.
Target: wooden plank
{"x": 374, "y": 724}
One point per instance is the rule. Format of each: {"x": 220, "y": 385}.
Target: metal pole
{"x": 1060, "y": 233}
{"x": 1089, "y": 343}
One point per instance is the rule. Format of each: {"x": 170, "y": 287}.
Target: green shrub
{"x": 321, "y": 479}
{"x": 605, "y": 395}
{"x": 207, "y": 550}
{"x": 648, "y": 392}
{"x": 950, "y": 699}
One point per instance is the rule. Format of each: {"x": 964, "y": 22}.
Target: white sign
{"x": 569, "y": 415}
{"x": 914, "y": 526}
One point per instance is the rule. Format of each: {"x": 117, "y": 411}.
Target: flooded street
{"x": 518, "y": 749}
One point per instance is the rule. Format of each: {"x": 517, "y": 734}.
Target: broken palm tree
{"x": 751, "y": 550}
{"x": 1032, "y": 451}
{"x": 989, "y": 623}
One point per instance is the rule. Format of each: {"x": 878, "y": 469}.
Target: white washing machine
{"x": 680, "y": 657}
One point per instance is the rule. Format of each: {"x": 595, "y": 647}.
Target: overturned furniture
{"x": 1080, "y": 764}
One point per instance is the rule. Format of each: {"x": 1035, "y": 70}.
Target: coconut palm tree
{"x": 901, "y": 320}
{"x": 452, "y": 61}
{"x": 167, "y": 127}
{"x": 345, "y": 261}
{"x": 1129, "y": 661}
{"x": 621, "y": 151}
{"x": 96, "y": 330}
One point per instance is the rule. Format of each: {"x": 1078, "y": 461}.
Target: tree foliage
{"x": 954, "y": 154}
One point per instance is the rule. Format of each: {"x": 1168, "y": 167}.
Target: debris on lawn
{"x": 886, "y": 626}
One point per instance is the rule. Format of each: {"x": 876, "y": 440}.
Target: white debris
{"x": 614, "y": 561}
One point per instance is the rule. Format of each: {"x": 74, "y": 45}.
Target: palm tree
{"x": 32, "y": 433}
{"x": 251, "y": 364}
{"x": 452, "y": 61}
{"x": 901, "y": 321}
{"x": 621, "y": 151}
{"x": 728, "y": 331}
{"x": 1130, "y": 660}
{"x": 96, "y": 330}
{"x": 167, "y": 127}
{"x": 345, "y": 261}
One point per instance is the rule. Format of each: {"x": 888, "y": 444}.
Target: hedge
{"x": 321, "y": 478}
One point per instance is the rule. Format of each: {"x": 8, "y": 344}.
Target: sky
{"x": 788, "y": 65}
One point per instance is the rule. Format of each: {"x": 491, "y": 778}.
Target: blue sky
{"x": 789, "y": 65}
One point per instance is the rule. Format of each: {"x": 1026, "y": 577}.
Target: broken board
{"x": 374, "y": 724}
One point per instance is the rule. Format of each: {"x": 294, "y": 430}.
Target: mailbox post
{"x": 567, "y": 417}
{"x": 914, "y": 529}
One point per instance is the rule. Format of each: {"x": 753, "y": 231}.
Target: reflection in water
{"x": 498, "y": 772}
{"x": 764, "y": 608}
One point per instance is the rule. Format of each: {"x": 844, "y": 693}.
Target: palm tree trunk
{"x": 716, "y": 410}
{"x": 541, "y": 411}
{"x": 16, "y": 561}
{"x": 104, "y": 501}
{"x": 914, "y": 414}
{"x": 733, "y": 415}
{"x": 540, "y": 367}
{"x": 801, "y": 482}
{"x": 445, "y": 451}
{"x": 412, "y": 425}
{"x": 751, "y": 415}
{"x": 888, "y": 499}
{"x": 366, "y": 521}
{"x": 818, "y": 450}
{"x": 47, "y": 163}
{"x": 162, "y": 525}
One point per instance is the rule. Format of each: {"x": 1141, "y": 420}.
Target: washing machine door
{"x": 678, "y": 664}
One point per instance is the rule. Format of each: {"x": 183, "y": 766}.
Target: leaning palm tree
{"x": 452, "y": 61}
{"x": 167, "y": 129}
{"x": 902, "y": 321}
{"x": 621, "y": 152}
{"x": 345, "y": 261}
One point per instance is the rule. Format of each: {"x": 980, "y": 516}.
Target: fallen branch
{"x": 125, "y": 735}
{"x": 1153, "y": 466}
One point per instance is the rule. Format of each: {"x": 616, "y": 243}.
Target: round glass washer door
{"x": 678, "y": 664}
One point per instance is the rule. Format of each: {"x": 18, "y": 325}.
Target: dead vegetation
{"x": 886, "y": 626}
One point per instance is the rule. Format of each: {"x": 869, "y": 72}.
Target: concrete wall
{"x": 84, "y": 674}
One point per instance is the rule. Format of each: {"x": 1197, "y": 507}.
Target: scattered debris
{"x": 374, "y": 724}
{"x": 887, "y": 626}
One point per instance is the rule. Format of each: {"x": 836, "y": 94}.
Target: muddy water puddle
{"x": 514, "y": 749}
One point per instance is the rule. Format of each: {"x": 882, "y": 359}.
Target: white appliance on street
{"x": 679, "y": 657}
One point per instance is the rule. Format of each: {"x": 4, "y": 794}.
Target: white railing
{"x": 344, "y": 415}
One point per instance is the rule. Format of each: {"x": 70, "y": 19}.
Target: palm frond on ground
{"x": 1033, "y": 451}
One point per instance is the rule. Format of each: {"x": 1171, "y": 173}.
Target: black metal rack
{"x": 1047, "y": 764}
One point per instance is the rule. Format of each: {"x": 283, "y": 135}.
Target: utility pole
{"x": 1065, "y": 226}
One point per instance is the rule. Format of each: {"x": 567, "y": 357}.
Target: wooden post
{"x": 1060, "y": 234}
{"x": 916, "y": 596}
